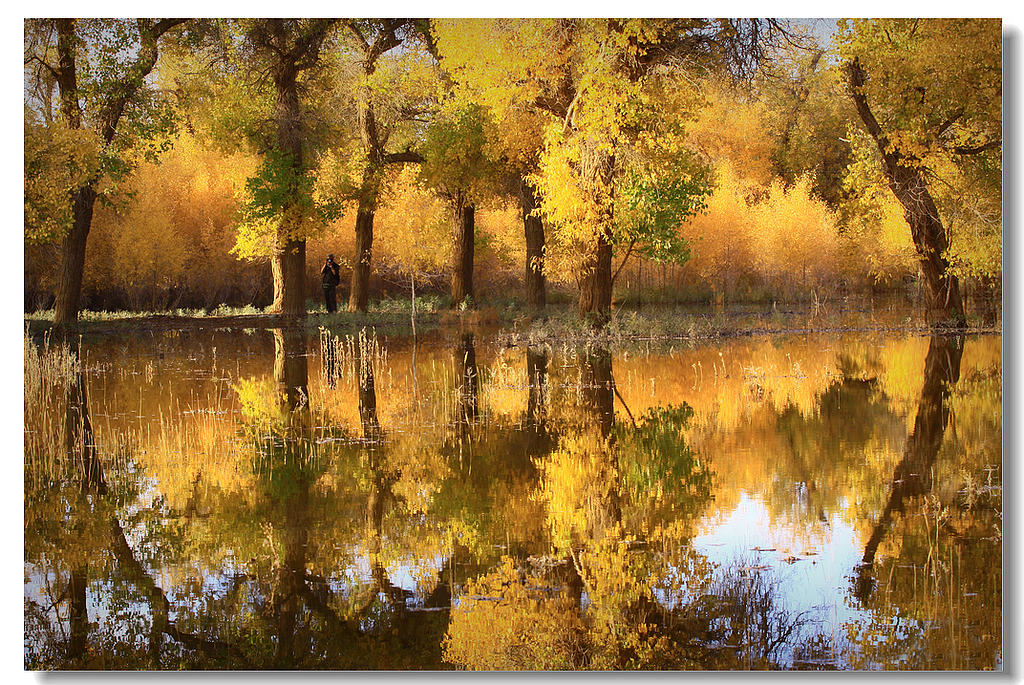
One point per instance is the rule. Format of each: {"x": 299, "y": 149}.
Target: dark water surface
{"x": 274, "y": 500}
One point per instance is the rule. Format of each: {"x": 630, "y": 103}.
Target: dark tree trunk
{"x": 988, "y": 296}
{"x": 291, "y": 581}
{"x": 536, "y": 295}
{"x": 288, "y": 265}
{"x": 462, "y": 258}
{"x": 595, "y": 300}
{"x": 359, "y": 294}
{"x": 72, "y": 263}
{"x": 288, "y": 261}
{"x": 943, "y": 302}
{"x": 79, "y": 440}
{"x": 81, "y": 449}
{"x": 373, "y": 142}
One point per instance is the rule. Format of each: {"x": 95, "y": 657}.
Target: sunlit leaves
{"x": 279, "y": 201}
{"x": 935, "y": 86}
{"x": 58, "y": 161}
{"x": 455, "y": 154}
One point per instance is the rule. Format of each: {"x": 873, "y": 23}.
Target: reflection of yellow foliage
{"x": 901, "y": 372}
{"x": 501, "y": 625}
{"x": 518, "y": 516}
{"x": 194, "y": 453}
{"x": 422, "y": 470}
{"x": 619, "y": 585}
{"x": 504, "y": 389}
{"x": 579, "y": 487}
{"x": 262, "y": 402}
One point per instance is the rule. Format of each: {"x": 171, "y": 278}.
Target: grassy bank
{"x": 514, "y": 325}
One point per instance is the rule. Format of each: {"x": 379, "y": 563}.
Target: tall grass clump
{"x": 345, "y": 358}
{"x": 50, "y": 370}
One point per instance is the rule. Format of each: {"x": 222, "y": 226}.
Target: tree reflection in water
{"x": 530, "y": 510}
{"x": 913, "y": 475}
{"x": 629, "y": 592}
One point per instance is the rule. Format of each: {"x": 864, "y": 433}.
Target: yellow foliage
{"x": 732, "y": 128}
{"x": 720, "y": 238}
{"x": 796, "y": 237}
{"x": 413, "y": 227}
{"x": 58, "y": 161}
{"x": 179, "y": 229}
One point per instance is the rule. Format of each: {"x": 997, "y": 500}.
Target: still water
{"x": 272, "y": 499}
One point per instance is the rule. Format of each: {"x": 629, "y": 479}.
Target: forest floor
{"x": 515, "y": 326}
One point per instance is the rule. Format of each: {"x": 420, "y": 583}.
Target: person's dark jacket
{"x": 330, "y": 276}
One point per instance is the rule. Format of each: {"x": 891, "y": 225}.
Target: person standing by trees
{"x": 331, "y": 279}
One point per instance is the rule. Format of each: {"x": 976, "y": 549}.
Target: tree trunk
{"x": 359, "y": 294}
{"x": 112, "y": 106}
{"x": 536, "y": 295}
{"x": 595, "y": 300}
{"x": 387, "y": 37}
{"x": 462, "y": 257}
{"x": 288, "y": 265}
{"x": 69, "y": 282}
{"x": 72, "y": 259}
{"x": 943, "y": 303}
{"x": 288, "y": 262}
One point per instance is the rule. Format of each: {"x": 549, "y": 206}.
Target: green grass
{"x": 197, "y": 313}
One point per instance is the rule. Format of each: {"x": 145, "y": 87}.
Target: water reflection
{"x": 914, "y": 474}
{"x": 785, "y": 503}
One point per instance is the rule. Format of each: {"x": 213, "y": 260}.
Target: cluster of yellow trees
{"x": 629, "y": 149}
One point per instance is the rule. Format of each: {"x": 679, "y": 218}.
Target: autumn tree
{"x": 599, "y": 82}
{"x": 107, "y": 108}
{"x": 808, "y": 116}
{"x": 928, "y": 93}
{"x": 516, "y": 138}
{"x": 384, "y": 99}
{"x": 281, "y": 195}
{"x": 457, "y": 167}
